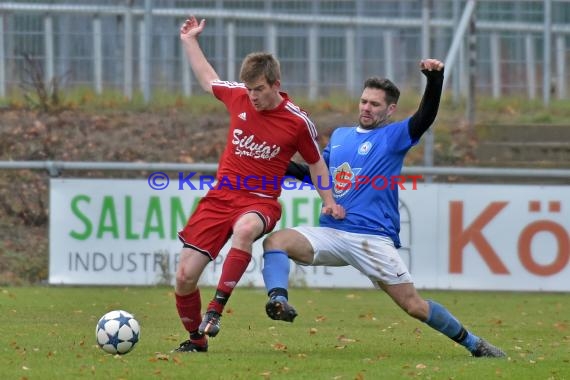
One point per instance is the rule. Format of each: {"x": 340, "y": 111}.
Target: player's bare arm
{"x": 320, "y": 176}
{"x": 204, "y": 72}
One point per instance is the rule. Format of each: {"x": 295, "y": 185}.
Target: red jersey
{"x": 260, "y": 144}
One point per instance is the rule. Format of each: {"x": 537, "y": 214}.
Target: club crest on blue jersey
{"x": 364, "y": 148}
{"x": 343, "y": 178}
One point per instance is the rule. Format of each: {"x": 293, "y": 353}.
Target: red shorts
{"x": 211, "y": 224}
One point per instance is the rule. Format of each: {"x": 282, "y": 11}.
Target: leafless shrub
{"x": 39, "y": 93}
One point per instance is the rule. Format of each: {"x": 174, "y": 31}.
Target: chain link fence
{"x": 325, "y": 47}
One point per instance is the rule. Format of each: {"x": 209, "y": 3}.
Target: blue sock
{"x": 443, "y": 321}
{"x": 276, "y": 271}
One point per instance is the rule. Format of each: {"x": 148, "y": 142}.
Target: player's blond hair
{"x": 260, "y": 64}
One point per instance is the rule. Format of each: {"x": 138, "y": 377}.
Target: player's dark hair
{"x": 391, "y": 90}
{"x": 260, "y": 64}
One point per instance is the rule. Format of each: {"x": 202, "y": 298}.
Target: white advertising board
{"x": 122, "y": 232}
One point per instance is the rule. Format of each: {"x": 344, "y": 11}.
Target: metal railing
{"x": 56, "y": 168}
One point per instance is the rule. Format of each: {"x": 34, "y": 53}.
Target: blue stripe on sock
{"x": 275, "y": 269}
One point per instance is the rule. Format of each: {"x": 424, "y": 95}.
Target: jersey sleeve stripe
{"x": 297, "y": 111}
{"x": 229, "y": 84}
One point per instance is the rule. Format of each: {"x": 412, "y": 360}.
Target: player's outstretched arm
{"x": 427, "y": 111}
{"x": 204, "y": 72}
{"x": 320, "y": 176}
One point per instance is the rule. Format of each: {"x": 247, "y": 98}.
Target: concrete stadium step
{"x": 524, "y": 133}
{"x": 524, "y": 145}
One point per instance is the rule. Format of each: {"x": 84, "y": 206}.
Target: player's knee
{"x": 185, "y": 279}
{"x": 246, "y": 232}
{"x": 275, "y": 241}
{"x": 415, "y": 308}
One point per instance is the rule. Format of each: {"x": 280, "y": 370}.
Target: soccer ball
{"x": 117, "y": 332}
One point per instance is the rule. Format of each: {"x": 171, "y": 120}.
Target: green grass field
{"x": 48, "y": 333}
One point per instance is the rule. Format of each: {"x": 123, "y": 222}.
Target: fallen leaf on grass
{"x": 279, "y": 347}
{"x": 496, "y": 322}
{"x": 173, "y": 338}
{"x": 561, "y": 326}
{"x": 159, "y": 356}
{"x": 368, "y": 317}
{"x": 344, "y": 339}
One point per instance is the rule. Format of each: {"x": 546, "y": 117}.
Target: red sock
{"x": 189, "y": 310}
{"x": 233, "y": 269}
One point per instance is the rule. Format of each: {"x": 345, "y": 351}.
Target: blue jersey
{"x": 364, "y": 166}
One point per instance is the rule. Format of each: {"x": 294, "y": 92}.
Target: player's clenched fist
{"x": 335, "y": 210}
{"x": 431, "y": 64}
